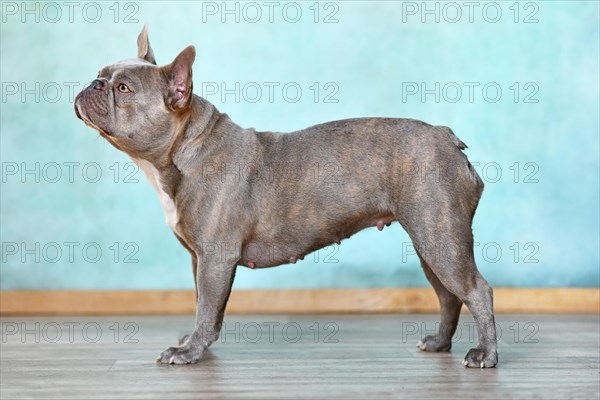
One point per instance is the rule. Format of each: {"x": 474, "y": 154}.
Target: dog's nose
{"x": 98, "y": 84}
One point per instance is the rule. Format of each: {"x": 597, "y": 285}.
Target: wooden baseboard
{"x": 304, "y": 301}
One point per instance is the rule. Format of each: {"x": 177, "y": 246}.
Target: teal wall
{"x": 537, "y": 224}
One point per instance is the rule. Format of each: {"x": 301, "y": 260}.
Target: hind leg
{"x": 479, "y": 300}
{"x": 450, "y": 306}
{"x": 458, "y": 273}
{"x": 441, "y": 234}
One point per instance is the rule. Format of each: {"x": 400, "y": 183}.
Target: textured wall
{"x": 537, "y": 224}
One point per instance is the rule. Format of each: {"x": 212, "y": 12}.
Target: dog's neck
{"x": 198, "y": 125}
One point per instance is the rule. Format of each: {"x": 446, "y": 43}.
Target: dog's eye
{"x": 123, "y": 88}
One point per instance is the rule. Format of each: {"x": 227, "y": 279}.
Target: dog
{"x": 228, "y": 199}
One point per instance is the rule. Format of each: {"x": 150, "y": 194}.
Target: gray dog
{"x": 235, "y": 196}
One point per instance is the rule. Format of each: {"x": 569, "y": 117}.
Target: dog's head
{"x": 135, "y": 104}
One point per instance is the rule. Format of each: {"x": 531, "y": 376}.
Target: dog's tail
{"x": 470, "y": 171}
{"x": 453, "y": 138}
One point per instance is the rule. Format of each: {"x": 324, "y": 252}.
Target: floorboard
{"x": 350, "y": 356}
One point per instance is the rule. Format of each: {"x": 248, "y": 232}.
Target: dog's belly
{"x": 294, "y": 244}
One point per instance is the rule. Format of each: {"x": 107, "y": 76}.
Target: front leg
{"x": 213, "y": 282}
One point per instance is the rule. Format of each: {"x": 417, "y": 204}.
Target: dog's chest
{"x": 165, "y": 200}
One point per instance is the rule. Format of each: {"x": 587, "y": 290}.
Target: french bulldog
{"x": 239, "y": 197}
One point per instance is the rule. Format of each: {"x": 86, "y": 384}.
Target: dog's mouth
{"x": 82, "y": 116}
{"x": 76, "y": 107}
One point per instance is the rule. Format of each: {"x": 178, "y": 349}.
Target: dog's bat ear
{"x": 179, "y": 75}
{"x": 144, "y": 50}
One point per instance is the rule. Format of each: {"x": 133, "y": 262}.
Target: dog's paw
{"x": 434, "y": 343}
{"x": 180, "y": 355}
{"x": 480, "y": 358}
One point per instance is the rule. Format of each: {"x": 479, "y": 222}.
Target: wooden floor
{"x": 372, "y": 356}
